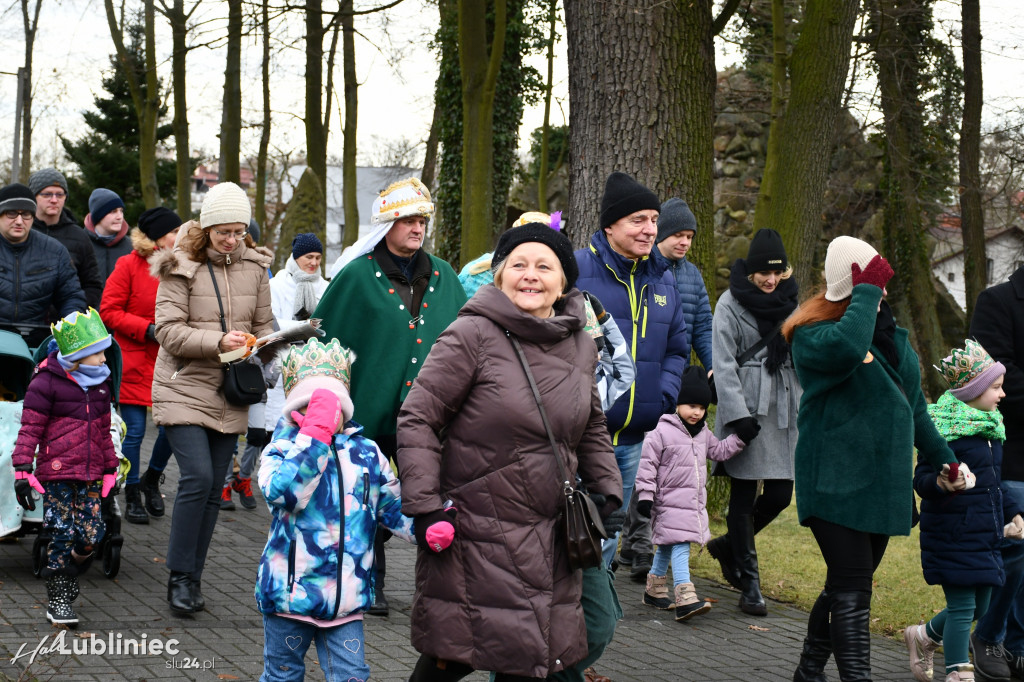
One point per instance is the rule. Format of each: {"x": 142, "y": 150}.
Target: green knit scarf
{"x": 956, "y": 419}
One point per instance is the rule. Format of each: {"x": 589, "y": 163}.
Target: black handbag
{"x": 581, "y": 521}
{"x": 243, "y": 382}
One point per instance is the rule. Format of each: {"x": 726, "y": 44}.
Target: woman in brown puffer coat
{"x": 201, "y": 425}
{"x": 502, "y": 597}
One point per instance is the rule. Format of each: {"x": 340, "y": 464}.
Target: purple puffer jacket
{"x": 673, "y": 473}
{"x": 70, "y": 426}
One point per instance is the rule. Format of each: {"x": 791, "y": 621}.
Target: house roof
{"x": 951, "y": 240}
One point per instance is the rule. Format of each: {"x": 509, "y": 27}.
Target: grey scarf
{"x": 305, "y": 290}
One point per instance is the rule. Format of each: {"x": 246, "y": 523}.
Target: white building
{"x": 1004, "y": 253}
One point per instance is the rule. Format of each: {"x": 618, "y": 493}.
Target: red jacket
{"x": 128, "y": 308}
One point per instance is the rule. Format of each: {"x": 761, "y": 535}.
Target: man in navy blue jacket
{"x": 638, "y": 291}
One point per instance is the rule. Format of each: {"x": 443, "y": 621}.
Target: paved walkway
{"x": 228, "y": 638}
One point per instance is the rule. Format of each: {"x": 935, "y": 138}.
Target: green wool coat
{"x": 364, "y": 312}
{"x": 859, "y": 422}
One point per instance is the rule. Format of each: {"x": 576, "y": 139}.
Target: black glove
{"x": 745, "y": 428}
{"x": 436, "y": 531}
{"x": 599, "y": 312}
{"x": 611, "y": 511}
{"x": 23, "y": 491}
{"x": 151, "y": 332}
{"x": 643, "y": 508}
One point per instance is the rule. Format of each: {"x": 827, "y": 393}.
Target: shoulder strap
{"x": 216, "y": 290}
{"x": 756, "y": 348}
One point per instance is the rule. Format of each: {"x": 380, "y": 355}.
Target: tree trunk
{"x": 231, "y": 121}
{"x": 25, "y": 83}
{"x": 780, "y": 82}
{"x": 182, "y": 148}
{"x": 542, "y": 171}
{"x": 348, "y": 160}
{"x": 261, "y": 157}
{"x": 429, "y": 171}
{"x": 801, "y": 137}
{"x": 972, "y": 219}
{"x": 316, "y": 141}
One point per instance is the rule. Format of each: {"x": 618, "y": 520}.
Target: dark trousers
{"x": 850, "y": 555}
{"x": 72, "y": 516}
{"x": 203, "y": 457}
{"x": 429, "y": 669}
{"x": 776, "y": 494}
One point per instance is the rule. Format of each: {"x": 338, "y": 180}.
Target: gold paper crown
{"x": 963, "y": 365}
{"x": 78, "y": 331}
{"x": 401, "y": 199}
{"x": 315, "y": 359}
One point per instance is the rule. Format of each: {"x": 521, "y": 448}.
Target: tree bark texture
{"x": 542, "y": 172}
{"x": 231, "y": 119}
{"x": 30, "y": 23}
{"x": 348, "y": 153}
{"x": 316, "y": 140}
{"x": 264, "y": 150}
{"x": 179, "y": 51}
{"x": 972, "y": 219}
{"x": 429, "y": 172}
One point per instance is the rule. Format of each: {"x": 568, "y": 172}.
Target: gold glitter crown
{"x": 316, "y": 359}
{"x": 78, "y": 331}
{"x": 402, "y": 199}
{"x": 964, "y": 364}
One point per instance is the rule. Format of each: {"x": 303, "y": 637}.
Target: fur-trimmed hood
{"x": 166, "y": 262}
{"x": 143, "y": 245}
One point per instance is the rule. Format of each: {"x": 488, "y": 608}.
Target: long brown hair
{"x": 815, "y": 309}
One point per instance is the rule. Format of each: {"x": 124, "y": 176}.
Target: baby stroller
{"x": 17, "y": 364}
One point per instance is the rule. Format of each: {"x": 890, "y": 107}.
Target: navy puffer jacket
{"x": 34, "y": 275}
{"x": 961, "y": 532}
{"x": 693, "y": 297}
{"x": 642, "y": 299}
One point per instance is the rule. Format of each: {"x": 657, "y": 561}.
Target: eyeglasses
{"x": 235, "y": 235}
{"x": 53, "y": 195}
{"x": 24, "y": 215}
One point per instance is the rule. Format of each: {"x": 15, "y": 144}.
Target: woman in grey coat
{"x": 757, "y": 392}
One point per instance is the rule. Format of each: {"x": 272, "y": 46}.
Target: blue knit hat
{"x": 306, "y": 242}
{"x": 101, "y": 202}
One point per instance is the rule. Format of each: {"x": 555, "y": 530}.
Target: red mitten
{"x": 323, "y": 414}
{"x": 876, "y": 272}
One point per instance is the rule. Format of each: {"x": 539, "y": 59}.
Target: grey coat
{"x": 750, "y": 391}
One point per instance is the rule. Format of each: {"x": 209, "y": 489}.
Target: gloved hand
{"x": 611, "y": 511}
{"x": 1014, "y": 529}
{"x": 151, "y": 332}
{"x": 599, "y": 312}
{"x": 643, "y": 508}
{"x": 24, "y": 481}
{"x": 955, "y": 477}
{"x": 746, "y": 428}
{"x": 877, "y": 272}
{"x": 323, "y": 414}
{"x": 109, "y": 481}
{"x": 436, "y": 531}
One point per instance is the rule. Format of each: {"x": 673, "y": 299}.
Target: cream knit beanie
{"x": 225, "y": 203}
{"x": 842, "y": 253}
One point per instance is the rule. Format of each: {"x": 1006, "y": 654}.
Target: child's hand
{"x": 436, "y": 531}
{"x": 1014, "y": 529}
{"x": 24, "y": 482}
{"x": 109, "y": 480}
{"x": 746, "y": 428}
{"x": 323, "y": 414}
{"x": 643, "y": 508}
{"x": 955, "y": 477}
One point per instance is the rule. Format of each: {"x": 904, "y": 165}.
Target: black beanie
{"x": 624, "y": 196}
{"x": 539, "y": 232}
{"x": 675, "y": 216}
{"x": 17, "y": 197}
{"x": 766, "y": 252}
{"x": 156, "y": 222}
{"x": 695, "y": 389}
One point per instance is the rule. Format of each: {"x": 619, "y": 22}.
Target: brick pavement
{"x": 228, "y": 638}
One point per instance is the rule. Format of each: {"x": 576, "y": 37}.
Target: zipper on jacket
{"x": 631, "y": 291}
{"x": 341, "y": 538}
{"x": 291, "y": 562}
{"x": 17, "y": 285}
{"x": 643, "y": 332}
{"x": 366, "y": 488}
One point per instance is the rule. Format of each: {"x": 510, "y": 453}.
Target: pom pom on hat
{"x": 225, "y": 203}
{"x": 47, "y": 177}
{"x": 541, "y": 233}
{"x": 694, "y": 389}
{"x": 17, "y": 197}
{"x": 624, "y": 196}
{"x": 101, "y": 202}
{"x": 156, "y": 222}
{"x": 675, "y": 216}
{"x": 304, "y": 243}
{"x": 842, "y": 253}
{"x": 766, "y": 252}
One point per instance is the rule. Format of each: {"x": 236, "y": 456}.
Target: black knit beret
{"x": 539, "y": 232}
{"x": 156, "y": 222}
{"x": 694, "y": 388}
{"x": 624, "y": 196}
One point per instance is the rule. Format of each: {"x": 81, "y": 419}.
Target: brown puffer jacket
{"x": 503, "y": 597}
{"x": 188, "y": 375}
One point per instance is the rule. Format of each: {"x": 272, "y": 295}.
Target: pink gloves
{"x": 435, "y": 531}
{"x": 876, "y": 272}
{"x": 109, "y": 480}
{"x": 323, "y": 414}
{"x": 24, "y": 481}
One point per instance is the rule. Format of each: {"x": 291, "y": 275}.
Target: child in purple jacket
{"x": 66, "y": 416}
{"x": 670, "y": 489}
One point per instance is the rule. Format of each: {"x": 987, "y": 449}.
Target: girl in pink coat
{"x": 670, "y": 491}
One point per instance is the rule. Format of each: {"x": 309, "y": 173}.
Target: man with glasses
{"x": 35, "y": 270}
{"x": 54, "y": 220}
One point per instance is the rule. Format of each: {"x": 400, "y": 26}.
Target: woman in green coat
{"x": 862, "y": 413}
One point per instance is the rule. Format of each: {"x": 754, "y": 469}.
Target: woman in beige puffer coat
{"x": 202, "y": 427}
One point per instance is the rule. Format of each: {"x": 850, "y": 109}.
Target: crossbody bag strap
{"x": 216, "y": 290}
{"x": 756, "y": 348}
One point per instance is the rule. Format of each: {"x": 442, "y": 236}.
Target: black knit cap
{"x": 17, "y": 197}
{"x": 766, "y": 252}
{"x": 541, "y": 233}
{"x": 156, "y": 222}
{"x": 694, "y": 389}
{"x": 624, "y": 196}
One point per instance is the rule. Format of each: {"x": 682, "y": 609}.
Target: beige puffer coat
{"x": 187, "y": 376}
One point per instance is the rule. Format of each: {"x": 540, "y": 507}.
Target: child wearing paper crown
{"x": 316, "y": 575}
{"x": 66, "y": 416}
{"x": 670, "y": 489}
{"x": 961, "y": 525}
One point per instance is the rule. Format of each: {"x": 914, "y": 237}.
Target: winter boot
{"x": 848, "y": 630}
{"x": 963, "y": 673}
{"x": 150, "y": 485}
{"x": 721, "y": 549}
{"x": 817, "y": 644}
{"x": 243, "y": 486}
{"x": 741, "y": 537}
{"x": 688, "y": 604}
{"x": 134, "y": 511}
{"x": 225, "y": 498}
{"x": 58, "y": 592}
{"x": 656, "y": 593}
{"x": 198, "y": 602}
{"x": 179, "y": 593}
{"x": 990, "y": 660}
{"x": 922, "y": 652}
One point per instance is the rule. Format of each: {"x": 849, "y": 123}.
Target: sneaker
{"x": 964, "y": 673}
{"x": 922, "y": 652}
{"x": 989, "y": 660}
{"x": 243, "y": 486}
{"x": 225, "y": 499}
{"x": 1016, "y": 664}
{"x": 641, "y": 567}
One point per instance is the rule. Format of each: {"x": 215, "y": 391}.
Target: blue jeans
{"x": 680, "y": 554}
{"x": 628, "y": 459}
{"x": 340, "y": 650}
{"x": 1003, "y": 623}
{"x": 135, "y": 420}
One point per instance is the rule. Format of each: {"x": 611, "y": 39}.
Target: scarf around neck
{"x": 956, "y": 419}
{"x": 769, "y": 309}
{"x": 86, "y": 376}
{"x": 305, "y": 290}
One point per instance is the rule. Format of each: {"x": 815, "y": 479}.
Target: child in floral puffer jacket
{"x": 316, "y": 575}
{"x": 67, "y": 417}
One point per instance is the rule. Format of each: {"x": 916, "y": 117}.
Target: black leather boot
{"x": 150, "y": 484}
{"x": 179, "y": 593}
{"x": 134, "y": 511}
{"x": 721, "y": 550}
{"x": 741, "y": 537}
{"x": 851, "y": 640}
{"x": 197, "y": 595}
{"x": 817, "y": 644}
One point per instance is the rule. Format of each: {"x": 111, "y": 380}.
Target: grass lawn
{"x": 793, "y": 571}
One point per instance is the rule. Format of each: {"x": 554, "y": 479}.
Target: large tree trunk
{"x": 542, "y": 171}
{"x": 429, "y": 172}
{"x": 231, "y": 120}
{"x": 30, "y": 24}
{"x": 316, "y": 140}
{"x": 972, "y": 219}
{"x": 182, "y": 148}
{"x": 262, "y": 155}
{"x": 348, "y": 153}
{"x": 801, "y": 136}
